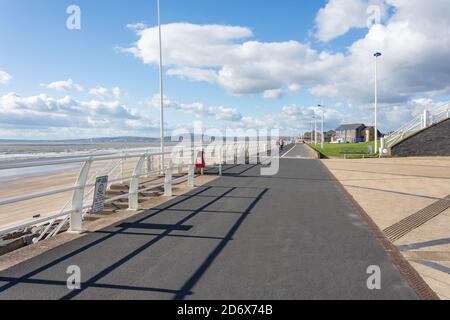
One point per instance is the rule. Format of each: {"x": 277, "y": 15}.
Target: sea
{"x": 24, "y": 151}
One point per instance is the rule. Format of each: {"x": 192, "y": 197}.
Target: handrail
{"x": 219, "y": 154}
{"x": 420, "y": 122}
{"x": 48, "y": 232}
{"x": 50, "y": 162}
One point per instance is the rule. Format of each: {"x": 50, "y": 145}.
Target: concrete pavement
{"x": 391, "y": 190}
{"x": 290, "y": 236}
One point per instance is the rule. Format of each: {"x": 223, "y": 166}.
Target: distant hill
{"x": 110, "y": 140}
{"x": 87, "y": 141}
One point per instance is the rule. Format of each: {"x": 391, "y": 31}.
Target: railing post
{"x": 247, "y": 151}
{"x": 425, "y": 119}
{"x": 76, "y": 217}
{"x": 122, "y": 169}
{"x": 180, "y": 161}
{"x": 235, "y": 152}
{"x": 168, "y": 181}
{"x": 133, "y": 197}
{"x": 258, "y": 159}
{"x": 149, "y": 165}
{"x": 191, "y": 176}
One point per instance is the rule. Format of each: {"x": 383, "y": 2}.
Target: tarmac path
{"x": 294, "y": 235}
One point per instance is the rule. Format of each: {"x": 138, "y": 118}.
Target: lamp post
{"x": 323, "y": 121}
{"x": 315, "y": 128}
{"x": 161, "y": 87}
{"x": 376, "y": 55}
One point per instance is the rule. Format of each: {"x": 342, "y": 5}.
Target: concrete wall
{"x": 433, "y": 141}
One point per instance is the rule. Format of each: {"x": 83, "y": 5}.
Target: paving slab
{"x": 391, "y": 190}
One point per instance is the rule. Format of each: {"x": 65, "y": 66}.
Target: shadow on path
{"x": 139, "y": 229}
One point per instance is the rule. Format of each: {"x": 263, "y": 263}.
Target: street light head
{"x": 378, "y": 54}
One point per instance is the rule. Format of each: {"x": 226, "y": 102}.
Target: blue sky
{"x": 37, "y": 50}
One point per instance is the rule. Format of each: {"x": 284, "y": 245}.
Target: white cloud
{"x": 199, "y": 110}
{"x": 279, "y": 93}
{"x": 339, "y": 16}
{"x": 102, "y": 92}
{"x": 414, "y": 40}
{"x": 4, "y": 77}
{"x": 221, "y": 55}
{"x": 291, "y": 119}
{"x": 137, "y": 26}
{"x": 64, "y": 85}
{"x": 99, "y": 91}
{"x": 45, "y": 112}
{"x": 117, "y": 92}
{"x": 274, "y": 94}
{"x": 415, "y": 43}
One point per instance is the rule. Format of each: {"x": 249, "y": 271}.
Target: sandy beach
{"x": 38, "y": 180}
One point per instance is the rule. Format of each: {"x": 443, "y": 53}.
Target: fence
{"x": 425, "y": 120}
{"x": 130, "y": 168}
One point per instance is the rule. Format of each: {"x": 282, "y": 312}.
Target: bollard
{"x": 220, "y": 169}
{"x": 168, "y": 182}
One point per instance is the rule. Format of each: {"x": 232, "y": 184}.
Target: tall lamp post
{"x": 323, "y": 121}
{"x": 376, "y": 55}
{"x": 315, "y": 128}
{"x": 161, "y": 88}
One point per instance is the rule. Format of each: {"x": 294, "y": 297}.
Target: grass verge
{"x": 345, "y": 150}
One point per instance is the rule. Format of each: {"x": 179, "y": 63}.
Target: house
{"x": 311, "y": 136}
{"x": 370, "y": 134}
{"x": 351, "y": 133}
{"x": 330, "y": 136}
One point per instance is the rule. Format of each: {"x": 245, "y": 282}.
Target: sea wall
{"x": 432, "y": 141}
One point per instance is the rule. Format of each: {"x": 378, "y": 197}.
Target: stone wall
{"x": 433, "y": 141}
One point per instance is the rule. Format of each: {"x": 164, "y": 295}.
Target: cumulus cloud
{"x": 200, "y": 110}
{"x": 42, "y": 111}
{"x": 102, "y": 92}
{"x": 414, "y": 40}
{"x": 136, "y": 26}
{"x": 339, "y": 16}
{"x": 223, "y": 56}
{"x": 274, "y": 94}
{"x": 415, "y": 43}
{"x": 292, "y": 119}
{"x": 4, "y": 77}
{"x": 64, "y": 85}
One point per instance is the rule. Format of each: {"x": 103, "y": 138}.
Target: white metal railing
{"x": 422, "y": 121}
{"x": 77, "y": 204}
{"x": 143, "y": 165}
{"x": 54, "y": 226}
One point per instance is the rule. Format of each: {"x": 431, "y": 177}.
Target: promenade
{"x": 295, "y": 235}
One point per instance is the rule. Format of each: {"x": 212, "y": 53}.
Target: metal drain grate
{"x": 401, "y": 229}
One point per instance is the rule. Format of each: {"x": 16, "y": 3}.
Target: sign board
{"x": 101, "y": 186}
